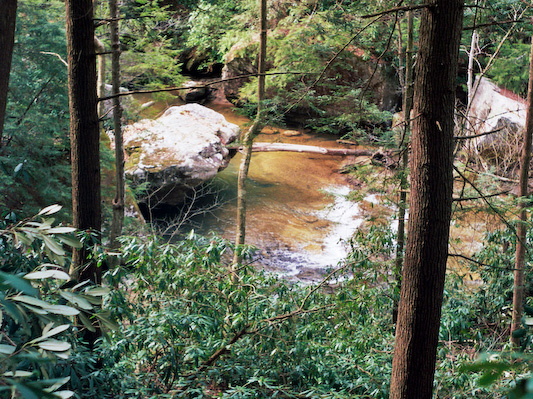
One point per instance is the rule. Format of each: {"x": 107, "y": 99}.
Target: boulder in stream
{"x": 175, "y": 153}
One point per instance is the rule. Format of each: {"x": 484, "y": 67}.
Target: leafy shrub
{"x": 37, "y": 332}
{"x": 192, "y": 331}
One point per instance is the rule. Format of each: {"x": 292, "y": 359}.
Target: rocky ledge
{"x": 169, "y": 156}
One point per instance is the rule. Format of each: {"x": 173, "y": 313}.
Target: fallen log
{"x": 269, "y": 147}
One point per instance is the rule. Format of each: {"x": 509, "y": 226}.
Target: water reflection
{"x": 298, "y": 216}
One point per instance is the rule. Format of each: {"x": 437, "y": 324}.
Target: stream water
{"x": 298, "y": 215}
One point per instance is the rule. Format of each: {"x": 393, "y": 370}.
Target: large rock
{"x": 497, "y": 110}
{"x": 171, "y": 155}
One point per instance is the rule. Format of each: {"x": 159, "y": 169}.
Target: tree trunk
{"x": 118, "y": 202}
{"x": 404, "y": 148}
{"x": 521, "y": 229}
{"x": 8, "y": 17}
{"x": 248, "y": 142}
{"x": 430, "y": 202}
{"x": 84, "y": 131}
{"x": 100, "y": 82}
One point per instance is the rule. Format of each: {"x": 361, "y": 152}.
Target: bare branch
{"x": 495, "y": 23}
{"x": 394, "y": 10}
{"x": 480, "y": 197}
{"x": 176, "y": 88}
{"x": 484, "y": 197}
{"x": 478, "y": 135}
{"x": 478, "y": 262}
{"x": 56, "y": 55}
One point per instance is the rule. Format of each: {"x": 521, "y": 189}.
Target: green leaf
{"x": 54, "y": 246}
{"x": 78, "y": 300}
{"x": 18, "y": 283}
{"x": 64, "y": 394}
{"x": 69, "y": 240}
{"x": 31, "y": 301}
{"x": 50, "y": 210}
{"x": 27, "y": 392}
{"x": 13, "y": 310}
{"x": 23, "y": 238}
{"x": 35, "y": 309}
{"x": 105, "y": 319}
{"x": 62, "y": 355}
{"x": 54, "y": 345}
{"x": 86, "y": 322}
{"x": 51, "y": 333}
{"x": 98, "y": 291}
{"x": 7, "y": 349}
{"x": 44, "y": 274}
{"x": 18, "y": 373}
{"x": 61, "y": 230}
{"x": 63, "y": 310}
{"x": 57, "y": 384}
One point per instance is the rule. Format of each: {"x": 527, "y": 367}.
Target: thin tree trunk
{"x": 8, "y": 17}
{"x": 100, "y": 83}
{"x": 521, "y": 230}
{"x": 118, "y": 202}
{"x": 430, "y": 202}
{"x": 248, "y": 142}
{"x": 84, "y": 131}
{"x": 404, "y": 148}
{"x": 470, "y": 77}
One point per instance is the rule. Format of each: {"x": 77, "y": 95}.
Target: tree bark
{"x": 84, "y": 131}
{"x": 521, "y": 229}
{"x": 404, "y": 148}
{"x": 118, "y": 202}
{"x": 248, "y": 142}
{"x": 100, "y": 82}
{"x": 430, "y": 202}
{"x": 8, "y": 17}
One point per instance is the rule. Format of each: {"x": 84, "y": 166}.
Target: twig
{"x": 176, "y": 88}
{"x": 480, "y": 263}
{"x": 494, "y": 23}
{"x": 394, "y": 10}
{"x": 484, "y": 197}
{"x": 480, "y": 197}
{"x": 478, "y": 135}
{"x": 55, "y": 54}
{"x": 214, "y": 357}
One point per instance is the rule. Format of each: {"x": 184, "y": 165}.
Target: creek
{"x": 298, "y": 215}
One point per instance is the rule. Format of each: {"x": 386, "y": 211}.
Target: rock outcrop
{"x": 498, "y": 117}
{"x": 171, "y": 155}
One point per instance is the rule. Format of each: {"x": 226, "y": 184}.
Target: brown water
{"x": 297, "y": 215}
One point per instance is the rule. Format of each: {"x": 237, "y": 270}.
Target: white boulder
{"x": 183, "y": 148}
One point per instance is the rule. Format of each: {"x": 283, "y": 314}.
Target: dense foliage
{"x": 193, "y": 331}
{"x": 34, "y": 170}
{"x": 41, "y": 348}
{"x": 187, "y": 328}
